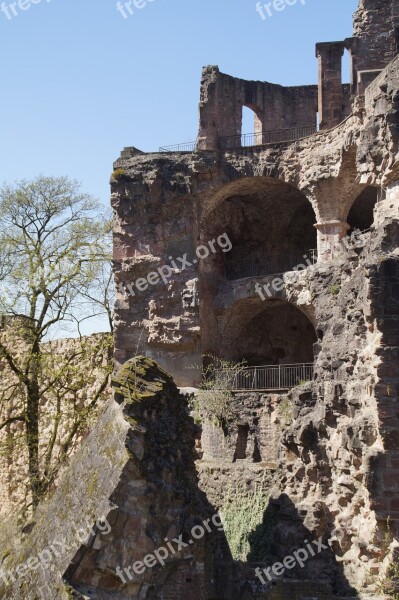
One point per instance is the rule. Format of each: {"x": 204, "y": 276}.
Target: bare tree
{"x": 53, "y": 251}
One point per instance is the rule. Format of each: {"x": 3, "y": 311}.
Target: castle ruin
{"x": 277, "y": 247}
{"x": 306, "y": 292}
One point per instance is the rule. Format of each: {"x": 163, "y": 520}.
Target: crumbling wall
{"x": 334, "y": 472}
{"x": 165, "y": 207}
{"x": 223, "y": 97}
{"x": 82, "y": 367}
{"x": 375, "y": 23}
{"x": 155, "y": 226}
{"x": 133, "y": 482}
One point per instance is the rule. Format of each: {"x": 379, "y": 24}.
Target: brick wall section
{"x": 261, "y": 416}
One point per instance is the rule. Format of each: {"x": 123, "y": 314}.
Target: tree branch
{"x": 12, "y": 420}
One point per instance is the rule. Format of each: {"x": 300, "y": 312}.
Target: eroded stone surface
{"x": 333, "y": 470}
{"x": 135, "y": 471}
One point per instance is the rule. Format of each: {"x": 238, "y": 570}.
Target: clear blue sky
{"x": 80, "y": 82}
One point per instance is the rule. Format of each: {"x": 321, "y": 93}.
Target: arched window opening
{"x": 346, "y": 67}
{"x": 251, "y": 127}
{"x": 276, "y": 340}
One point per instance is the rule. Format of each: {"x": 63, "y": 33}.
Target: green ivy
{"x": 248, "y": 523}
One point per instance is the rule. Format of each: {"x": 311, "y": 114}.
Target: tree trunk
{"x": 32, "y": 429}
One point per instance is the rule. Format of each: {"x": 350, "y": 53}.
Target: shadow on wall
{"x": 269, "y": 223}
{"x": 164, "y": 541}
{"x": 361, "y": 214}
{"x": 383, "y": 468}
{"x": 283, "y": 534}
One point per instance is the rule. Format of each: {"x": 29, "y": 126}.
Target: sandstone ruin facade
{"x": 280, "y": 248}
{"x": 292, "y": 192}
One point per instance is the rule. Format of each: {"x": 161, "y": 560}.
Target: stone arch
{"x": 268, "y": 221}
{"x": 255, "y": 133}
{"x": 244, "y": 186}
{"x": 334, "y": 195}
{"x": 271, "y": 332}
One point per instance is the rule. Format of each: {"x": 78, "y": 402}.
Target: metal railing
{"x": 278, "y": 136}
{"x": 258, "y": 266}
{"x": 265, "y": 378}
{"x": 187, "y": 147}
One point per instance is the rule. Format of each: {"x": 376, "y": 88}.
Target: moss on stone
{"x": 92, "y": 487}
{"x": 140, "y": 378}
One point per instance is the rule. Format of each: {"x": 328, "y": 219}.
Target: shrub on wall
{"x": 215, "y": 398}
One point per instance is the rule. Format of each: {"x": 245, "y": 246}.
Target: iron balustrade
{"x": 257, "y": 266}
{"x": 265, "y": 378}
{"x": 187, "y": 147}
{"x": 278, "y": 136}
{"x": 263, "y": 138}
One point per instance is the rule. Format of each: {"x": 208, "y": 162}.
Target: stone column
{"x": 331, "y": 101}
{"x": 388, "y": 205}
{"x": 329, "y": 239}
{"x": 208, "y": 109}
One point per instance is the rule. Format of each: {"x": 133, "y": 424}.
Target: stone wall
{"x": 375, "y": 26}
{"x": 134, "y": 473}
{"x": 185, "y": 194}
{"x": 244, "y": 452}
{"x": 334, "y": 454}
{"x": 223, "y": 97}
{"x": 83, "y": 368}
{"x": 163, "y": 318}
{"x": 330, "y": 469}
{"x": 263, "y": 415}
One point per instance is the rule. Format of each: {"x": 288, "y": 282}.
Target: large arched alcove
{"x": 271, "y": 332}
{"x": 270, "y": 225}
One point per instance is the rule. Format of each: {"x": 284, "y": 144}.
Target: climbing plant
{"x": 248, "y": 522}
